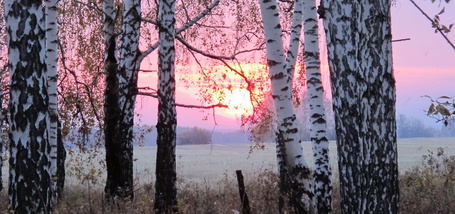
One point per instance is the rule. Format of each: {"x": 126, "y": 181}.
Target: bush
{"x": 194, "y": 136}
{"x": 430, "y": 187}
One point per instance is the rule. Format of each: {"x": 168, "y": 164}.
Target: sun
{"x": 238, "y": 102}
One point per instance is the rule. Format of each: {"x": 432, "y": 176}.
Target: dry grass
{"x": 429, "y": 187}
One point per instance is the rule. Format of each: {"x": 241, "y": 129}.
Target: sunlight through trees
{"x": 74, "y": 70}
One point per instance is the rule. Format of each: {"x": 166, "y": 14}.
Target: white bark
{"x": 52, "y": 77}
{"x": 363, "y": 88}
{"x": 294, "y": 40}
{"x": 291, "y": 161}
{"x": 30, "y": 188}
{"x": 318, "y": 128}
{"x": 129, "y": 64}
{"x": 165, "y": 186}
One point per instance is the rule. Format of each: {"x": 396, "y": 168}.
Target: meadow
{"x": 207, "y": 182}
{"x": 215, "y": 162}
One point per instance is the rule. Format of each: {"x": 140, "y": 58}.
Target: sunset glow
{"x": 238, "y": 101}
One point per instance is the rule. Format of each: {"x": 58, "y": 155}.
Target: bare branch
{"x": 183, "y": 28}
{"x": 151, "y": 21}
{"x": 147, "y": 71}
{"x": 147, "y": 52}
{"x": 86, "y": 86}
{"x": 232, "y": 57}
{"x": 439, "y": 29}
{"x": 401, "y": 40}
{"x": 250, "y": 84}
{"x": 199, "y": 17}
{"x": 218, "y": 105}
{"x": 202, "y": 52}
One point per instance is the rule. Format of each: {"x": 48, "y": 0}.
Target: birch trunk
{"x": 318, "y": 128}
{"x": 52, "y": 77}
{"x": 165, "y": 186}
{"x": 127, "y": 80}
{"x": 363, "y": 87}
{"x": 294, "y": 171}
{"x": 29, "y": 176}
{"x": 111, "y": 106}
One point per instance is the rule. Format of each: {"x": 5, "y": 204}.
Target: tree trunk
{"x": 114, "y": 181}
{"x": 318, "y": 128}
{"x": 1, "y": 146}
{"x": 30, "y": 189}
{"x": 165, "y": 186}
{"x": 363, "y": 87}
{"x": 61, "y": 159}
{"x": 127, "y": 80}
{"x": 52, "y": 77}
{"x": 294, "y": 171}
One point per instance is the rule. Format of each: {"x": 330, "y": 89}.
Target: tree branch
{"x": 401, "y": 40}
{"x": 178, "y": 31}
{"x": 434, "y": 24}
{"x": 199, "y": 17}
{"x": 218, "y": 105}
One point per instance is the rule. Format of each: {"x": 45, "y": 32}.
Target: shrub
{"x": 194, "y": 136}
{"x": 430, "y": 187}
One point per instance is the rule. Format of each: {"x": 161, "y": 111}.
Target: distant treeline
{"x": 411, "y": 127}
{"x": 407, "y": 127}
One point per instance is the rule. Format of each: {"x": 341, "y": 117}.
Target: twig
{"x": 219, "y": 105}
{"x": 401, "y": 40}
{"x": 199, "y": 17}
{"x": 434, "y": 24}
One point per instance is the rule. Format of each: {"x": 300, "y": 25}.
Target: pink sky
{"x": 424, "y": 65}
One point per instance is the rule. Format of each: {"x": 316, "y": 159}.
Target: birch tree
{"x": 121, "y": 90}
{"x": 363, "y": 87}
{"x": 293, "y": 169}
{"x": 120, "y": 96}
{"x": 30, "y": 177}
{"x": 318, "y": 124}
{"x": 51, "y": 58}
{"x": 165, "y": 187}
{"x": 3, "y": 71}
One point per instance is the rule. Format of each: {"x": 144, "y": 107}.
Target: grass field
{"x": 206, "y": 182}
{"x": 216, "y": 162}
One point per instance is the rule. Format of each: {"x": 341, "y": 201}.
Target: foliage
{"x": 194, "y": 136}
{"x": 436, "y": 22}
{"x": 442, "y": 109}
{"x": 86, "y": 165}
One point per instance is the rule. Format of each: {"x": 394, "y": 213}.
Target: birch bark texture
{"x": 30, "y": 189}
{"x": 293, "y": 169}
{"x": 51, "y": 58}
{"x": 322, "y": 170}
{"x": 114, "y": 182}
{"x": 127, "y": 80}
{"x": 363, "y": 86}
{"x": 166, "y": 176}
{"x": 120, "y": 97}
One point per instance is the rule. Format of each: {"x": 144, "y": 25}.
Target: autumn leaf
{"x": 442, "y": 11}
{"x": 431, "y": 110}
{"x": 443, "y": 110}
